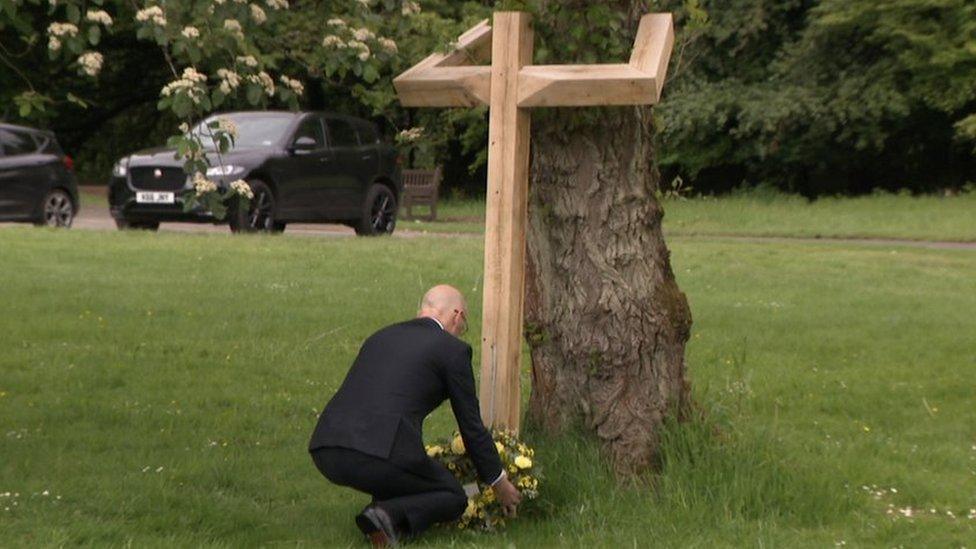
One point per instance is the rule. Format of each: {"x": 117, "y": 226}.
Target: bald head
{"x": 446, "y": 304}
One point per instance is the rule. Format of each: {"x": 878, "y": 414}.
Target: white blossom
{"x": 364, "y": 4}
{"x": 202, "y": 185}
{"x": 362, "y": 47}
{"x": 265, "y": 81}
{"x": 242, "y": 188}
{"x": 278, "y": 4}
{"x": 189, "y": 83}
{"x": 247, "y": 60}
{"x": 410, "y": 8}
{"x": 152, "y": 13}
{"x": 389, "y": 45}
{"x": 228, "y": 126}
{"x": 258, "y": 14}
{"x": 234, "y": 26}
{"x": 333, "y": 41}
{"x": 191, "y": 32}
{"x": 91, "y": 63}
{"x": 293, "y": 84}
{"x": 410, "y": 135}
{"x": 229, "y": 80}
{"x": 363, "y": 34}
{"x": 62, "y": 29}
{"x": 336, "y": 22}
{"x": 54, "y": 43}
{"x": 99, "y": 16}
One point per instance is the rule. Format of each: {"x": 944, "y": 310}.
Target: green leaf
{"x": 94, "y": 35}
{"x": 73, "y": 12}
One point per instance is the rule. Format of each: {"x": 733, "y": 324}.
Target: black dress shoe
{"x": 377, "y": 525}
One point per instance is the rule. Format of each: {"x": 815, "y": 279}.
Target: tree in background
{"x": 829, "y": 96}
{"x": 108, "y": 75}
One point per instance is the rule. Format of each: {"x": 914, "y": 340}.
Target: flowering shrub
{"x": 483, "y": 511}
{"x": 207, "y": 193}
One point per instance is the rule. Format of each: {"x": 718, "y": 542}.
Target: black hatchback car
{"x": 304, "y": 167}
{"x": 37, "y": 181}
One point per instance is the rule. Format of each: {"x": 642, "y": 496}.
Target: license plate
{"x": 155, "y": 198}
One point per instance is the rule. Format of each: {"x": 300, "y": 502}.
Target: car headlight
{"x": 225, "y": 170}
{"x": 121, "y": 168}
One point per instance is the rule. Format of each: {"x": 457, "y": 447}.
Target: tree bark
{"x": 605, "y": 320}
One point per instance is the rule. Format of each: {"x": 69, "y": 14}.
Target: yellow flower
{"x": 471, "y": 510}
{"x": 434, "y": 451}
{"x": 457, "y": 445}
{"x": 523, "y": 462}
{"x": 500, "y": 447}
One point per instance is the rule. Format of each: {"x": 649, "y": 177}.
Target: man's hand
{"x": 508, "y": 495}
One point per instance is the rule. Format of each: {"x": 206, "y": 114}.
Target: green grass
{"x": 876, "y": 216}
{"x": 161, "y": 389}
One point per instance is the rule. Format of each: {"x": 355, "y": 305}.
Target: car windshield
{"x": 253, "y": 131}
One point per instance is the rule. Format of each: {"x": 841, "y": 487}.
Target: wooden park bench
{"x": 420, "y": 188}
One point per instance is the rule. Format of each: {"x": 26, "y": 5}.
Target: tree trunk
{"x": 605, "y": 320}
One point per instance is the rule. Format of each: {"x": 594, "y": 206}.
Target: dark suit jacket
{"x": 403, "y": 372}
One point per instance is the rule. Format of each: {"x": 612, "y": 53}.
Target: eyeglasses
{"x": 464, "y": 321}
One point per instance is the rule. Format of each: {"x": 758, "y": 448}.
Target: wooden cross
{"x": 510, "y": 86}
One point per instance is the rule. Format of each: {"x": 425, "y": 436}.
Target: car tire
{"x": 56, "y": 210}
{"x": 260, "y": 214}
{"x": 379, "y": 212}
{"x": 126, "y": 225}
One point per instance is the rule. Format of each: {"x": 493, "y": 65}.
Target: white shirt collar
{"x": 435, "y": 320}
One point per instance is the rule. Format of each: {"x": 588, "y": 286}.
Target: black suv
{"x": 305, "y": 167}
{"x": 37, "y": 183}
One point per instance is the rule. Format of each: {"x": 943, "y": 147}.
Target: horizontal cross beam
{"x": 440, "y": 80}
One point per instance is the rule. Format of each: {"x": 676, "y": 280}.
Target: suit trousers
{"x": 413, "y": 501}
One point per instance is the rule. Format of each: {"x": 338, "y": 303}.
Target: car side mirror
{"x": 302, "y": 145}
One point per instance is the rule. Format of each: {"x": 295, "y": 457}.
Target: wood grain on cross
{"x": 510, "y": 86}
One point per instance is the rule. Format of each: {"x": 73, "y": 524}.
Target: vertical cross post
{"x": 505, "y": 223}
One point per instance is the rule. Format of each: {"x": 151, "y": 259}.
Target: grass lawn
{"x": 878, "y": 216}
{"x": 159, "y": 390}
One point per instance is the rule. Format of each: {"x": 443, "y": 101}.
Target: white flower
{"x": 152, "y": 13}
{"x": 234, "y": 27}
{"x": 258, "y": 14}
{"x": 202, "y": 185}
{"x": 410, "y": 8}
{"x": 229, "y": 80}
{"x": 191, "y": 32}
{"x": 364, "y": 55}
{"x": 190, "y": 83}
{"x": 99, "y": 16}
{"x": 388, "y": 45}
{"x": 184, "y": 128}
{"x": 247, "y": 60}
{"x": 265, "y": 81}
{"x": 278, "y": 4}
{"x": 363, "y": 34}
{"x": 54, "y": 43}
{"x": 293, "y": 84}
{"x": 411, "y": 135}
{"x": 242, "y": 188}
{"x": 227, "y": 125}
{"x": 363, "y": 4}
{"x": 336, "y": 22}
{"x": 62, "y": 29}
{"x": 91, "y": 63}
{"x": 362, "y": 47}
{"x": 333, "y": 41}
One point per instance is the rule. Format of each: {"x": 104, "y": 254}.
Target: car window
{"x": 367, "y": 134}
{"x": 342, "y": 134}
{"x": 15, "y": 142}
{"x": 311, "y": 127}
{"x": 46, "y": 144}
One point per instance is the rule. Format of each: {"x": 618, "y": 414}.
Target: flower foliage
{"x": 483, "y": 511}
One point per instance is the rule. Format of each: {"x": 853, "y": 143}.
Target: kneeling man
{"x": 369, "y": 437}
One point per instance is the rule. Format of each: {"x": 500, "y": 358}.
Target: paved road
{"x": 97, "y": 218}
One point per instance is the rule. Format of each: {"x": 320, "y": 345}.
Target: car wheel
{"x": 260, "y": 214}
{"x": 379, "y": 212}
{"x": 57, "y": 210}
{"x": 126, "y": 225}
